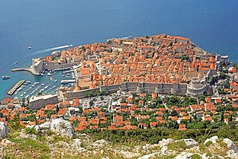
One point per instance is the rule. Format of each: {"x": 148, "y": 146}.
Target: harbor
{"x": 47, "y": 83}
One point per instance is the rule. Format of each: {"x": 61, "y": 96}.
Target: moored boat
{"x": 5, "y": 77}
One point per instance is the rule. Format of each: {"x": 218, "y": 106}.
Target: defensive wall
{"x": 137, "y": 87}
{"x": 43, "y": 101}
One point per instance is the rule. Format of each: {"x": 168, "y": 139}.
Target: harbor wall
{"x": 50, "y": 66}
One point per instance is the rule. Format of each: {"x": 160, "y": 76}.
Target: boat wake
{"x": 16, "y": 62}
{"x": 50, "y": 49}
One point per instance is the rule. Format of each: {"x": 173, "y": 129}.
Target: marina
{"x": 42, "y": 85}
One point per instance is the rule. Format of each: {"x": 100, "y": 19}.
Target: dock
{"x": 65, "y": 72}
{"x": 15, "y": 87}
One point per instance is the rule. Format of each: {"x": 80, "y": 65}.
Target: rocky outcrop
{"x": 6, "y": 142}
{"x": 128, "y": 154}
{"x": 62, "y": 127}
{"x": 3, "y": 130}
{"x": 190, "y": 142}
{"x": 212, "y": 139}
{"x": 76, "y": 144}
{"x": 233, "y": 150}
{"x": 23, "y": 134}
{"x": 169, "y": 148}
{"x": 187, "y": 155}
{"x": 149, "y": 156}
{"x": 100, "y": 143}
{"x": 59, "y": 126}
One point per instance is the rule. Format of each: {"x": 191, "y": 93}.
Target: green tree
{"x": 91, "y": 102}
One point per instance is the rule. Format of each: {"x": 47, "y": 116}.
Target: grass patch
{"x": 165, "y": 157}
{"x": 196, "y": 156}
{"x": 208, "y": 143}
{"x": 25, "y": 148}
{"x": 60, "y": 138}
{"x": 219, "y": 148}
{"x": 177, "y": 146}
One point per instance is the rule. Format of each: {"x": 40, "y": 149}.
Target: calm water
{"x": 44, "y": 24}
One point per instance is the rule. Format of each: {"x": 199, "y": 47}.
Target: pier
{"x": 65, "y": 72}
{"x": 15, "y": 87}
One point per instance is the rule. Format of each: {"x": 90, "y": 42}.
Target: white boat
{"x": 49, "y": 74}
{"x": 5, "y": 77}
{"x": 29, "y": 47}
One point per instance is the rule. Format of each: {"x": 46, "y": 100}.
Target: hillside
{"x": 57, "y": 140}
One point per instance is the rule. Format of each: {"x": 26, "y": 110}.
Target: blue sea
{"x": 45, "y": 25}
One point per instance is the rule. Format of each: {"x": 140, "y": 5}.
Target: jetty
{"x": 15, "y": 87}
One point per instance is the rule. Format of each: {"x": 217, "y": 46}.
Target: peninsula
{"x": 153, "y": 90}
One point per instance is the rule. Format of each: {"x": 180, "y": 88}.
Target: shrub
{"x": 208, "y": 143}
{"x": 31, "y": 131}
{"x": 179, "y": 145}
{"x": 196, "y": 156}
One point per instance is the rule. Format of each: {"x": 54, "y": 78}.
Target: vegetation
{"x": 94, "y": 93}
{"x": 25, "y": 148}
{"x": 196, "y": 156}
{"x": 154, "y": 135}
{"x": 177, "y": 146}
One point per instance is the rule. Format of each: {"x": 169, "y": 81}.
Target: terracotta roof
{"x": 182, "y": 127}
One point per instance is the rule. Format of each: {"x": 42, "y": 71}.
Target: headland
{"x": 142, "y": 89}
{"x": 162, "y": 64}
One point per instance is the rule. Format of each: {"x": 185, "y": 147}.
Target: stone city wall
{"x": 80, "y": 94}
{"x": 179, "y": 89}
{"x": 37, "y": 104}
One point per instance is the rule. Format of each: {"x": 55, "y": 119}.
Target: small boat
{"x": 16, "y": 62}
{"x": 28, "y": 82}
{"x": 29, "y": 47}
{"x": 49, "y": 74}
{"x": 5, "y": 77}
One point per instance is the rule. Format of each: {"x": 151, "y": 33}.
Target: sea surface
{"x": 49, "y": 25}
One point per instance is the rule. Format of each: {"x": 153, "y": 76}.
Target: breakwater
{"x": 26, "y": 69}
{"x": 15, "y": 87}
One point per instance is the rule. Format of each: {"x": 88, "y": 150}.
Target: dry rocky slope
{"x": 70, "y": 146}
